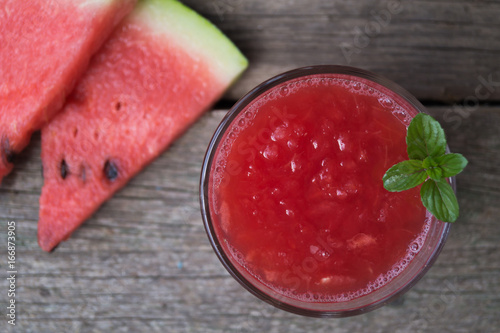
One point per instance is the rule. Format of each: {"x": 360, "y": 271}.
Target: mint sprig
{"x": 428, "y": 164}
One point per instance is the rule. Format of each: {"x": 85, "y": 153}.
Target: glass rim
{"x": 218, "y": 135}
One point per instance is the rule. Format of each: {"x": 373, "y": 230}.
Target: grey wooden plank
{"x": 143, "y": 263}
{"x": 438, "y": 50}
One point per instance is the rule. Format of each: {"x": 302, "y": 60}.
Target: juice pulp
{"x": 296, "y": 189}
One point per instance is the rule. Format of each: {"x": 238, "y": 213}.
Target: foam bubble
{"x": 387, "y": 102}
{"x": 402, "y": 115}
{"x": 367, "y": 89}
{"x": 284, "y": 91}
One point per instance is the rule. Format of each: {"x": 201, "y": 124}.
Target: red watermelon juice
{"x": 294, "y": 199}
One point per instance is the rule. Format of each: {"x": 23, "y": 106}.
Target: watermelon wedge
{"x": 45, "y": 45}
{"x": 160, "y": 69}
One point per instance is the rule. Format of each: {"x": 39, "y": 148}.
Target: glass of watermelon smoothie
{"x": 293, "y": 200}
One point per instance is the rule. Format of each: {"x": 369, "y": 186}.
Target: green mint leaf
{"x": 404, "y": 175}
{"x": 451, "y": 164}
{"x": 435, "y": 173}
{"x": 426, "y": 146}
{"x": 425, "y": 138}
{"x": 432, "y": 168}
{"x": 429, "y": 162}
{"x": 438, "y": 197}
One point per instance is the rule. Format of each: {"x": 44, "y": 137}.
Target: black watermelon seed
{"x": 64, "y": 169}
{"x": 110, "y": 170}
{"x": 8, "y": 155}
{"x": 83, "y": 174}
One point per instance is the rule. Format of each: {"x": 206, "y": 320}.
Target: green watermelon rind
{"x": 170, "y": 18}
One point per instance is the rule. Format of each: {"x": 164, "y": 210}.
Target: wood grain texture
{"x": 143, "y": 262}
{"x": 438, "y": 50}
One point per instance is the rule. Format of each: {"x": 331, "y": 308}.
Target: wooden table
{"x": 143, "y": 262}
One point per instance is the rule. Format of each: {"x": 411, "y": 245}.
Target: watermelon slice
{"x": 160, "y": 69}
{"x": 45, "y": 45}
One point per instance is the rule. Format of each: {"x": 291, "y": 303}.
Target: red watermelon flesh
{"x": 154, "y": 77}
{"x": 45, "y": 45}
